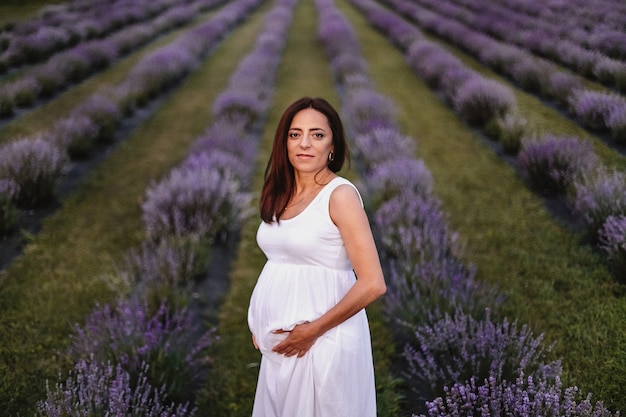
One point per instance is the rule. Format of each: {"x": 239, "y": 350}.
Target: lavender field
{"x": 488, "y": 141}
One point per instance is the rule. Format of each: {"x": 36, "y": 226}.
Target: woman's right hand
{"x": 256, "y": 346}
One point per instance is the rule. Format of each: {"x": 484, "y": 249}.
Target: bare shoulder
{"x": 345, "y": 204}
{"x": 345, "y": 193}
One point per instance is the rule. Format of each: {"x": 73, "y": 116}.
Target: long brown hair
{"x": 280, "y": 182}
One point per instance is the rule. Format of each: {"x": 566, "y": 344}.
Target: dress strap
{"x": 325, "y": 194}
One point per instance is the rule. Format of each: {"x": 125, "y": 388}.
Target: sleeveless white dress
{"x": 308, "y": 272}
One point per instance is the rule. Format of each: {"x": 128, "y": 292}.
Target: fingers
{"x": 256, "y": 346}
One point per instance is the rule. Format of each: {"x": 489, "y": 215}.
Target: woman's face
{"x": 309, "y": 141}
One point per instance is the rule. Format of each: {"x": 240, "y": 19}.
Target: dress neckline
{"x": 319, "y": 193}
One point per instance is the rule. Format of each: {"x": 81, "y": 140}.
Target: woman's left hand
{"x": 298, "y": 341}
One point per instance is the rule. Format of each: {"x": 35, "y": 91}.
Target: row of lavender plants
{"x": 598, "y": 110}
{"x": 37, "y": 39}
{"x": 554, "y": 165}
{"x": 593, "y": 25}
{"x": 151, "y": 337}
{"x": 460, "y": 360}
{"x": 31, "y": 168}
{"x": 568, "y": 42}
{"x": 86, "y": 58}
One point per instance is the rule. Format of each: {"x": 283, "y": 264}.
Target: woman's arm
{"x": 348, "y": 214}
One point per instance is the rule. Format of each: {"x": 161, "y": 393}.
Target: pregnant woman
{"x": 307, "y": 311}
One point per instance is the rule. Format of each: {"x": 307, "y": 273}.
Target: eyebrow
{"x": 313, "y": 129}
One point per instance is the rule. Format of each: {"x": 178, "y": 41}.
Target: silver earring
{"x": 331, "y": 156}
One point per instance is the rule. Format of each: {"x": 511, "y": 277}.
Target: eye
{"x": 293, "y": 135}
{"x": 318, "y": 135}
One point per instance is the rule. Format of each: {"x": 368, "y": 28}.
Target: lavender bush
{"x": 594, "y": 108}
{"x": 479, "y": 100}
{"x": 76, "y": 134}
{"x": 201, "y": 201}
{"x": 35, "y": 166}
{"x": 553, "y": 163}
{"x": 103, "y": 112}
{"x": 369, "y": 110}
{"x": 413, "y": 228}
{"x": 383, "y": 144}
{"x": 612, "y": 239}
{"x": 239, "y": 104}
{"x": 163, "y": 269}
{"x": 227, "y": 134}
{"x": 597, "y": 196}
{"x": 421, "y": 292}
{"x": 173, "y": 343}
{"x": 525, "y": 397}
{"x": 8, "y": 212}
{"x": 617, "y": 124}
{"x": 509, "y": 130}
{"x": 561, "y": 86}
{"x": 24, "y": 91}
{"x": 94, "y": 389}
{"x": 457, "y": 348}
{"x": 397, "y": 176}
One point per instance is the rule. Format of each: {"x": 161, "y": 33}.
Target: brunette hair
{"x": 279, "y": 181}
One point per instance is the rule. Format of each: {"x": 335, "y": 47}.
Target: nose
{"x": 305, "y": 142}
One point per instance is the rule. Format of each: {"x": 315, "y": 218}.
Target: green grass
{"x": 15, "y": 10}
{"x": 230, "y": 389}
{"x": 554, "y": 283}
{"x": 57, "y": 280}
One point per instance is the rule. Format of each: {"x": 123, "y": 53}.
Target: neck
{"x": 312, "y": 180}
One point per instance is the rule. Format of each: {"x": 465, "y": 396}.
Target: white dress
{"x": 308, "y": 272}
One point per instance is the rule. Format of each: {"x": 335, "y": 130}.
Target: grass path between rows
{"x": 304, "y": 70}
{"x": 56, "y": 282}
{"x": 553, "y": 283}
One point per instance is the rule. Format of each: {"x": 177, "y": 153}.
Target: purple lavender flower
{"x": 607, "y": 69}
{"x": 76, "y": 134}
{"x": 594, "y": 108}
{"x": 194, "y": 201}
{"x": 165, "y": 269}
{"x": 367, "y": 110}
{"x": 553, "y": 163}
{"x": 510, "y": 130}
{"x": 529, "y": 73}
{"x": 228, "y": 134}
{"x": 617, "y": 124}
{"x": 597, "y": 196}
{"x": 527, "y": 396}
{"x": 479, "y": 100}
{"x": 430, "y": 61}
{"x": 246, "y": 104}
{"x": 94, "y": 388}
{"x": 49, "y": 77}
{"x": 383, "y": 145}
{"x": 35, "y": 166}
{"x": 172, "y": 343}
{"x": 24, "y": 91}
{"x": 398, "y": 176}
{"x": 41, "y": 43}
{"x": 457, "y": 348}
{"x": 103, "y": 112}
{"x": 612, "y": 239}
{"x": 413, "y": 227}
{"x": 562, "y": 85}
